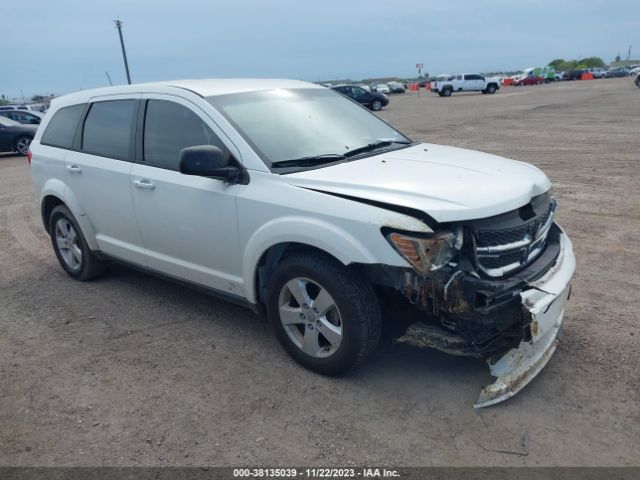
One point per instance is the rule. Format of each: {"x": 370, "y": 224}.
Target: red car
{"x": 528, "y": 80}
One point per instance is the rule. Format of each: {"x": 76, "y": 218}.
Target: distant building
{"x": 624, "y": 63}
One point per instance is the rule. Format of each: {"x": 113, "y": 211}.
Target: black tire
{"x": 355, "y": 299}
{"x": 491, "y": 89}
{"x": 376, "y": 105}
{"x": 484, "y": 92}
{"x": 21, "y": 144}
{"x": 89, "y": 265}
{"x": 447, "y": 91}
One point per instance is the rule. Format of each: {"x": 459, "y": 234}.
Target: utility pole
{"x": 419, "y": 67}
{"x": 124, "y": 52}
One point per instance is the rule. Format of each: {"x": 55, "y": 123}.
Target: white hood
{"x": 447, "y": 183}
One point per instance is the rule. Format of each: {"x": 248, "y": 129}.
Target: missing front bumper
{"x": 544, "y": 302}
{"x": 540, "y": 309}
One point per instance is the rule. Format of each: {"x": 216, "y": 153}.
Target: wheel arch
{"x": 277, "y": 239}
{"x": 56, "y": 193}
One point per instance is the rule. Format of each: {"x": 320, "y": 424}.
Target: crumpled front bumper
{"x": 544, "y": 302}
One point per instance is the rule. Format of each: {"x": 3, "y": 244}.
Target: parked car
{"x": 373, "y": 100}
{"x": 23, "y": 116}
{"x": 637, "y": 81}
{"x": 14, "y": 136}
{"x": 287, "y": 198}
{"x": 528, "y": 80}
{"x": 574, "y": 74}
{"x": 383, "y": 88}
{"x": 445, "y": 84}
{"x": 560, "y": 75}
{"x": 396, "y": 87}
{"x": 618, "y": 72}
{"x": 598, "y": 72}
{"x": 32, "y": 108}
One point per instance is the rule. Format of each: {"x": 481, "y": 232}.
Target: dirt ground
{"x": 133, "y": 370}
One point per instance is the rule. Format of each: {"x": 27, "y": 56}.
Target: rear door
{"x": 97, "y": 174}
{"x": 188, "y": 223}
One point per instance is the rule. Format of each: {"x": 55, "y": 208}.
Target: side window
{"x": 62, "y": 127}
{"x": 108, "y": 129}
{"x": 357, "y": 92}
{"x": 168, "y": 128}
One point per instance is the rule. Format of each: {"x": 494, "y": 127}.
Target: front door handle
{"x": 144, "y": 184}
{"x": 74, "y": 169}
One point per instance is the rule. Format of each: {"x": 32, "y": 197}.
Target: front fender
{"x": 309, "y": 231}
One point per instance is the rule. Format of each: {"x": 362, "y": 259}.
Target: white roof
{"x": 206, "y": 87}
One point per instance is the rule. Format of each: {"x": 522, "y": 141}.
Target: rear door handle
{"x": 144, "y": 184}
{"x": 74, "y": 169}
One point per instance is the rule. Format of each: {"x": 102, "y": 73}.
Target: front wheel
{"x": 491, "y": 89}
{"x": 376, "y": 105}
{"x": 446, "y": 92}
{"x": 22, "y": 145}
{"x": 326, "y": 316}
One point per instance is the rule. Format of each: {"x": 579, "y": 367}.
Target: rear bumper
{"x": 544, "y": 303}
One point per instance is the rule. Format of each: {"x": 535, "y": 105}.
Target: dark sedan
{"x": 574, "y": 74}
{"x": 15, "y": 137}
{"x": 373, "y": 100}
{"x": 21, "y": 116}
{"x": 618, "y": 72}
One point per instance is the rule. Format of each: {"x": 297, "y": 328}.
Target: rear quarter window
{"x": 62, "y": 127}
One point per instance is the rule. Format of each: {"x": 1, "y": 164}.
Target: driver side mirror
{"x": 208, "y": 161}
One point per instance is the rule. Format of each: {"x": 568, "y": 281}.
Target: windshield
{"x": 291, "y": 124}
{"x": 7, "y": 122}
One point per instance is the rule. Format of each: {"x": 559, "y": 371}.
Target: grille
{"x": 502, "y": 251}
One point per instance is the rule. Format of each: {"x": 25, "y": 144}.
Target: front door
{"x": 188, "y": 223}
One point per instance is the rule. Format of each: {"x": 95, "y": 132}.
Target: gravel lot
{"x": 133, "y": 370}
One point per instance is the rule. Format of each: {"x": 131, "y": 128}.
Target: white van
{"x": 295, "y": 201}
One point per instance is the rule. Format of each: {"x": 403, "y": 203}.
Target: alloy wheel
{"x": 67, "y": 243}
{"x": 310, "y": 317}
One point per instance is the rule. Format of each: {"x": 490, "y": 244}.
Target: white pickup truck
{"x": 445, "y": 85}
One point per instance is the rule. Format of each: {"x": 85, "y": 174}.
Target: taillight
{"x": 29, "y": 156}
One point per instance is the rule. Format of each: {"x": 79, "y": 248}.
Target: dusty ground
{"x": 132, "y": 370}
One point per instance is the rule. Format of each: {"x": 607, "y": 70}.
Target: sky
{"x": 61, "y": 46}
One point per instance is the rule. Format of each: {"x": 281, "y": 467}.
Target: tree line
{"x": 581, "y": 64}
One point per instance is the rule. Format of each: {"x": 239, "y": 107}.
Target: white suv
{"x": 295, "y": 201}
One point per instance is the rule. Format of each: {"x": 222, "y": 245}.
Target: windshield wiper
{"x": 308, "y": 161}
{"x": 373, "y": 146}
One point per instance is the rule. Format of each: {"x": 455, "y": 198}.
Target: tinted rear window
{"x": 62, "y": 127}
{"x": 108, "y": 129}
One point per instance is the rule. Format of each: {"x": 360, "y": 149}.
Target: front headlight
{"x": 426, "y": 252}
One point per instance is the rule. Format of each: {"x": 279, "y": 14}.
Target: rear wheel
{"x": 491, "y": 89}
{"x": 22, "y": 145}
{"x": 446, "y": 92}
{"x": 325, "y": 315}
{"x": 376, "y": 105}
{"x": 71, "y": 247}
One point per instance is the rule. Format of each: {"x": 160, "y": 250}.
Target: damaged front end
{"x": 493, "y": 288}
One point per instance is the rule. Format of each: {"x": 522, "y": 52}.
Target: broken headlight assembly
{"x": 426, "y": 252}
